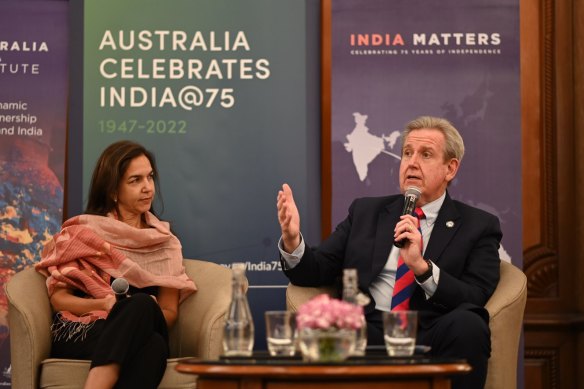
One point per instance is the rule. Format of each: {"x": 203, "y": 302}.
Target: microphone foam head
{"x": 413, "y": 191}
{"x": 120, "y": 286}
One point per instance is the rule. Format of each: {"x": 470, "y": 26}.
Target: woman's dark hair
{"x": 108, "y": 173}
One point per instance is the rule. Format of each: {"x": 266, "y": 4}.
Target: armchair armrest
{"x": 29, "y": 319}
{"x": 506, "y": 307}
{"x": 199, "y": 328}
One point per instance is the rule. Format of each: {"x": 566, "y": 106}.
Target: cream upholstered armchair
{"x": 505, "y": 307}
{"x": 197, "y": 333}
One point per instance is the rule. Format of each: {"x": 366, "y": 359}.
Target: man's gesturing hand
{"x": 289, "y": 219}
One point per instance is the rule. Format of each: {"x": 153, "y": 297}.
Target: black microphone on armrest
{"x": 120, "y": 287}
{"x": 411, "y": 198}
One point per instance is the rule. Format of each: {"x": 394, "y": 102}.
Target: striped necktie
{"x": 404, "y": 277}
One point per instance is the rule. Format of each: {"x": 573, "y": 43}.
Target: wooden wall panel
{"x": 531, "y": 120}
{"x": 579, "y": 139}
{"x": 553, "y": 175}
{"x": 578, "y": 71}
{"x": 539, "y": 184}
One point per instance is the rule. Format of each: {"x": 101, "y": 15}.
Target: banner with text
{"x": 457, "y": 59}
{"x": 33, "y": 116}
{"x": 218, "y": 91}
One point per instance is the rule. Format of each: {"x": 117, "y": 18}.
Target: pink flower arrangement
{"x": 324, "y": 312}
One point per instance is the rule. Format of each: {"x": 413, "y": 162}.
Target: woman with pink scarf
{"x": 118, "y": 237}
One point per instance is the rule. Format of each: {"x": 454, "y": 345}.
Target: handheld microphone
{"x": 411, "y": 198}
{"x": 120, "y": 287}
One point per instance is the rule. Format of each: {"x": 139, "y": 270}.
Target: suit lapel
{"x": 447, "y": 224}
{"x": 386, "y": 221}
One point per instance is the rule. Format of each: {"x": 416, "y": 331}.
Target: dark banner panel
{"x": 33, "y": 115}
{"x": 395, "y": 61}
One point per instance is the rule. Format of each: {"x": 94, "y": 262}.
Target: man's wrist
{"x": 290, "y": 260}
{"x": 427, "y": 274}
{"x": 290, "y": 245}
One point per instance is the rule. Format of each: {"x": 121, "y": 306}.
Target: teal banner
{"x": 221, "y": 92}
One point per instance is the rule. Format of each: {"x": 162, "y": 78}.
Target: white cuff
{"x": 292, "y": 259}
{"x": 431, "y": 284}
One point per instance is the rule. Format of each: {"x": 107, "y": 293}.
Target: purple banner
{"x": 33, "y": 101}
{"x": 393, "y": 61}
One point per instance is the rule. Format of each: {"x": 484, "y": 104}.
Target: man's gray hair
{"x": 454, "y": 143}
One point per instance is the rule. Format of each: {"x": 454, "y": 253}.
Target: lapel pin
{"x": 449, "y": 224}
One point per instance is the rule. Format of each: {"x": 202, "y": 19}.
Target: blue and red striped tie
{"x": 404, "y": 277}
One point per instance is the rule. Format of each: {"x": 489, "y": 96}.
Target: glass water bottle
{"x": 352, "y": 295}
{"x": 238, "y": 334}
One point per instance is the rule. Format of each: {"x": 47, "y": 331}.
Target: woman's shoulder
{"x": 84, "y": 219}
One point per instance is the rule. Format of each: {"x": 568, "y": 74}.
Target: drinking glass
{"x": 399, "y": 332}
{"x": 281, "y": 333}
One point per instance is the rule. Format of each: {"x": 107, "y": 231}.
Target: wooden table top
{"x": 288, "y": 368}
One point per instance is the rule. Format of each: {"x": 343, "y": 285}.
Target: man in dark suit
{"x": 456, "y": 270}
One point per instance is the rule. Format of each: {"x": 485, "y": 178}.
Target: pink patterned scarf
{"x": 90, "y": 249}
